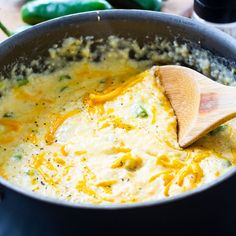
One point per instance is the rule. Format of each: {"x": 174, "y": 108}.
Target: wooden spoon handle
{"x": 226, "y": 98}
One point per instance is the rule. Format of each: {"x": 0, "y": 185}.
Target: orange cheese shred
{"x": 46, "y": 177}
{"x": 39, "y": 161}
{"x": 23, "y": 95}
{"x": 106, "y": 183}
{"x": 159, "y": 174}
{"x": 6, "y": 139}
{"x": 128, "y": 161}
{"x": 78, "y": 153}
{"x": 63, "y": 151}
{"x": 117, "y": 122}
{"x": 49, "y": 137}
{"x": 167, "y": 188}
{"x": 169, "y": 162}
{"x": 10, "y": 124}
{"x": 60, "y": 161}
{"x": 154, "y": 114}
{"x": 194, "y": 170}
{"x": 108, "y": 85}
{"x": 83, "y": 187}
{"x": 32, "y": 138}
{"x": 3, "y": 173}
{"x": 104, "y": 97}
{"x": 233, "y": 150}
{"x": 115, "y": 150}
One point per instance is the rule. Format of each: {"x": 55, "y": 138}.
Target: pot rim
{"x": 172, "y": 20}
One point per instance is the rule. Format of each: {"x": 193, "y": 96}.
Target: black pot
{"x": 207, "y": 210}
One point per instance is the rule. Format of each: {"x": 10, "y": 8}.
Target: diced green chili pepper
{"x": 17, "y": 157}
{"x": 218, "y": 130}
{"x": 227, "y": 163}
{"x": 154, "y": 5}
{"x": 64, "y": 77}
{"x": 41, "y": 10}
{"x": 63, "y": 88}
{"x": 22, "y": 82}
{"x": 141, "y": 112}
{"x": 9, "y": 115}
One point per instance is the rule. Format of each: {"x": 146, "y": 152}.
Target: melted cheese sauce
{"x": 102, "y": 133}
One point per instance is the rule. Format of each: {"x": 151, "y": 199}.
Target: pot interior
{"x": 156, "y": 35}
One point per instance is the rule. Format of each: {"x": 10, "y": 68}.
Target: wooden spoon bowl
{"x": 200, "y": 104}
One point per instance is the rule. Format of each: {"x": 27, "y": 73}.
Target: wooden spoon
{"x": 200, "y": 104}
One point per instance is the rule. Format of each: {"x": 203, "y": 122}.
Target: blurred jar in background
{"x": 218, "y": 13}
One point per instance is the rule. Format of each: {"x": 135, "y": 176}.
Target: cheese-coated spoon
{"x": 200, "y": 104}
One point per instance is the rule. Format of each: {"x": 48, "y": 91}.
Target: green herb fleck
{"x": 17, "y": 157}
{"x": 234, "y": 71}
{"x": 227, "y": 163}
{"x": 63, "y": 88}
{"x": 9, "y": 115}
{"x": 22, "y": 82}
{"x": 102, "y": 81}
{"x": 64, "y": 77}
{"x": 30, "y": 172}
{"x": 141, "y": 112}
{"x": 218, "y": 130}
{"x": 2, "y": 85}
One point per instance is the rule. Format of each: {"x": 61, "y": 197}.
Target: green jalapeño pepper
{"x": 154, "y": 5}
{"x": 41, "y": 10}
{"x": 5, "y": 30}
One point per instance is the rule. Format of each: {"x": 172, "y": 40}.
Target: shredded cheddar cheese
{"x": 11, "y": 125}
{"x": 78, "y": 153}
{"x": 49, "y": 137}
{"x": 101, "y": 98}
{"x": 103, "y": 136}
{"x": 128, "y": 161}
{"x": 63, "y": 151}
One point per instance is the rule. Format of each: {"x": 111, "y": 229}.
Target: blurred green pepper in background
{"x": 38, "y": 11}
{"x": 154, "y": 5}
